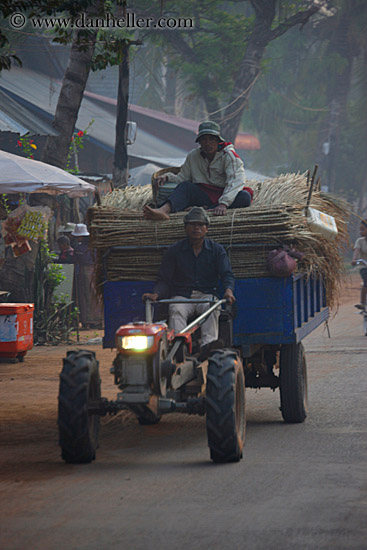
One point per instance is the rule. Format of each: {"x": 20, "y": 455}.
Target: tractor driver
{"x": 191, "y": 268}
{"x": 212, "y": 176}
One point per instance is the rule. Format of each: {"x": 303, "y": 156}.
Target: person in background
{"x": 84, "y": 259}
{"x": 66, "y": 229}
{"x": 212, "y": 176}
{"x": 66, "y": 251}
{"x": 360, "y": 253}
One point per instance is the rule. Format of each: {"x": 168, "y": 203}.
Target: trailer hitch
{"x": 194, "y": 405}
{"x": 104, "y": 406}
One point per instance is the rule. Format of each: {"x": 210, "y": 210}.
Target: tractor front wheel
{"x": 225, "y": 407}
{"x": 80, "y": 388}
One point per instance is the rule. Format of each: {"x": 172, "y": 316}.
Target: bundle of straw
{"x": 275, "y": 217}
{"x": 133, "y": 198}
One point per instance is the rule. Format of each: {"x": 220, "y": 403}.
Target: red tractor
{"x": 157, "y": 372}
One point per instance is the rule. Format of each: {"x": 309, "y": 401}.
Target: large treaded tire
{"x": 293, "y": 383}
{"x": 80, "y": 385}
{"x": 225, "y": 407}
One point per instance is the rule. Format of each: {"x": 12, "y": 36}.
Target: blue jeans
{"x": 189, "y": 194}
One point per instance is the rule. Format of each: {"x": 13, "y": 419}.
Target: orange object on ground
{"x": 16, "y": 330}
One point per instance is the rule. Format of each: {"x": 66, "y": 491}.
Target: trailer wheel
{"x": 293, "y": 383}
{"x": 80, "y": 385}
{"x": 225, "y": 407}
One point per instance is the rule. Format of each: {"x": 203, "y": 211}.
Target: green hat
{"x": 209, "y": 127}
{"x": 68, "y": 228}
{"x": 197, "y": 214}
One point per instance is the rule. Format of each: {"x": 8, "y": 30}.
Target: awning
{"x": 22, "y": 175}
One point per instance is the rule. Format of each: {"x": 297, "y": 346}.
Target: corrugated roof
{"x": 244, "y": 140}
{"x": 29, "y": 88}
{"x": 43, "y": 92}
{"x": 19, "y": 119}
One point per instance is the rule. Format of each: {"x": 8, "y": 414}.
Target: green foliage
{"x": 27, "y": 146}
{"x": 154, "y": 93}
{"x": 54, "y": 318}
{"x": 7, "y": 53}
{"x": 4, "y": 201}
{"x": 9, "y": 36}
{"x": 286, "y": 107}
{"x": 76, "y": 144}
{"x": 109, "y": 50}
{"x": 206, "y": 57}
{"x": 290, "y": 106}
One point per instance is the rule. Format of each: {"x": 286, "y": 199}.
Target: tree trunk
{"x": 56, "y": 149}
{"x": 249, "y": 70}
{"x": 120, "y": 167}
{"x": 170, "y": 95}
{"x": 328, "y": 142}
{"x": 362, "y": 206}
{"x": 212, "y": 105}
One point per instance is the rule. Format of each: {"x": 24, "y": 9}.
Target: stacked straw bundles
{"x": 275, "y": 217}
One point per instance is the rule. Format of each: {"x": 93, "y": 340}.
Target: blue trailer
{"x": 159, "y": 372}
{"x": 273, "y": 315}
{"x": 270, "y": 310}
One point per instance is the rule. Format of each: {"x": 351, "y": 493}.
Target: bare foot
{"x": 154, "y": 213}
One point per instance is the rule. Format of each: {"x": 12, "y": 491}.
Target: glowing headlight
{"x": 137, "y": 343}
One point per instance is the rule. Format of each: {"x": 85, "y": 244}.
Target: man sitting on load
{"x": 212, "y": 176}
{"x": 191, "y": 268}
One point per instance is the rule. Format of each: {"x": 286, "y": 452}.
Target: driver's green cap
{"x": 209, "y": 127}
{"x": 197, "y": 214}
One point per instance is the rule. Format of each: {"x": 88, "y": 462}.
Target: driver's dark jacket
{"x": 181, "y": 271}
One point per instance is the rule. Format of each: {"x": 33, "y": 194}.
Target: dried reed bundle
{"x": 132, "y": 198}
{"x": 276, "y": 217}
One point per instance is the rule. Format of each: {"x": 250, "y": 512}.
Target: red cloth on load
{"x": 215, "y": 192}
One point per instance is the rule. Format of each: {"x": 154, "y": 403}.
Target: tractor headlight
{"x": 135, "y": 343}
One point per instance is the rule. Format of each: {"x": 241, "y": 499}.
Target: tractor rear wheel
{"x": 293, "y": 383}
{"x": 225, "y": 407}
{"x": 80, "y": 387}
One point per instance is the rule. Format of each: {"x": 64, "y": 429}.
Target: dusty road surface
{"x": 299, "y": 486}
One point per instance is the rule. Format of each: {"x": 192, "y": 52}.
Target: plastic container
{"x": 321, "y": 223}
{"x": 16, "y": 330}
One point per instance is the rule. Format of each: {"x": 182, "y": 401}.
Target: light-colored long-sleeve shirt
{"x": 360, "y": 248}
{"x": 225, "y": 171}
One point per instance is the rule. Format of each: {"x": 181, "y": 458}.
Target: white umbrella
{"x": 22, "y": 175}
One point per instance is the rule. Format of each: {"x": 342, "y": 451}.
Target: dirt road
{"x": 298, "y": 486}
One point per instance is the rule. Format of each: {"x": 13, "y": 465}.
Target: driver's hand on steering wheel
{"x": 150, "y": 296}
{"x": 229, "y": 296}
